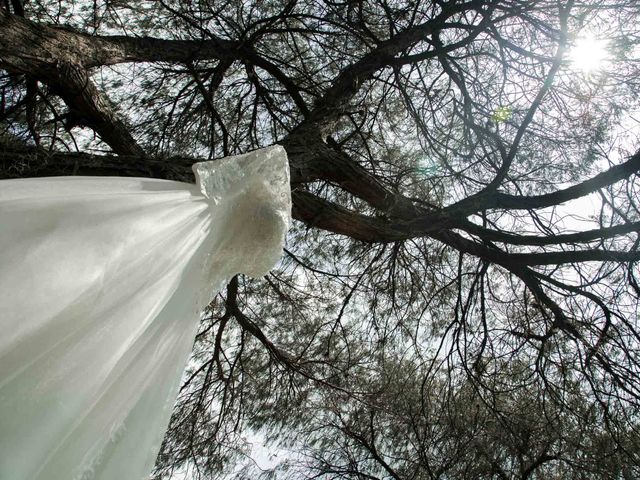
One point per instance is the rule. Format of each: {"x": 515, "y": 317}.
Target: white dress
{"x": 102, "y": 283}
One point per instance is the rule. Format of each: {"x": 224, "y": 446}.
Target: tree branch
{"x": 25, "y": 46}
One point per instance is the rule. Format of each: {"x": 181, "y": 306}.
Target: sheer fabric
{"x": 102, "y": 283}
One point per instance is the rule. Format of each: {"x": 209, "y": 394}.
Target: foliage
{"x": 459, "y": 293}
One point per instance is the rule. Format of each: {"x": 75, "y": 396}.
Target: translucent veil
{"x": 102, "y": 283}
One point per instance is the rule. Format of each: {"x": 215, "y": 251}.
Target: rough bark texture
{"x": 32, "y": 48}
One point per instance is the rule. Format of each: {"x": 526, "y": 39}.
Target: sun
{"x": 589, "y": 54}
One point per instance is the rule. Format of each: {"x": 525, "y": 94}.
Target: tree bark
{"x": 33, "y": 48}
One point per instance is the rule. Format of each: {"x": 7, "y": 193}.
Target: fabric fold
{"x": 102, "y": 284}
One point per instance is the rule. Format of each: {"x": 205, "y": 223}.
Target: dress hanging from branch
{"x": 102, "y": 284}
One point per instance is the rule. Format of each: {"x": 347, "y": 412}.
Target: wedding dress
{"x": 102, "y": 283}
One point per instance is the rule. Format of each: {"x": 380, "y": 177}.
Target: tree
{"x": 459, "y": 294}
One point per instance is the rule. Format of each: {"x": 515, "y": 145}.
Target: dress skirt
{"x": 102, "y": 284}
